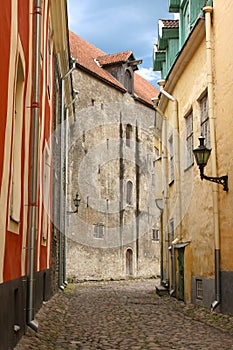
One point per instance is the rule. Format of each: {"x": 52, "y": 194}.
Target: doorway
{"x": 181, "y": 272}
{"x": 129, "y": 262}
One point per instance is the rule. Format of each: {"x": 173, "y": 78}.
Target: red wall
{"x": 5, "y": 30}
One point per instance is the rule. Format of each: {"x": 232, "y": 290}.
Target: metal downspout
{"x": 161, "y": 83}
{"x": 208, "y": 10}
{"x": 34, "y": 167}
{"x": 66, "y": 180}
{"x": 62, "y": 207}
{"x": 165, "y": 198}
{"x": 64, "y": 148}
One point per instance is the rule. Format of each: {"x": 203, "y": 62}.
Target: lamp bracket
{"x": 222, "y": 180}
{"x": 72, "y": 212}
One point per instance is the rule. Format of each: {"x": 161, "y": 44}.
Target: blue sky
{"x": 115, "y": 26}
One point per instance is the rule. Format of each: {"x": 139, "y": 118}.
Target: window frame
{"x": 199, "y": 289}
{"x": 204, "y": 119}
{"x": 189, "y": 159}
{"x": 155, "y": 234}
{"x": 98, "y": 231}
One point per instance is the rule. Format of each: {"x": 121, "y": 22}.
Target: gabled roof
{"x": 86, "y": 54}
{"x": 115, "y": 58}
{"x": 92, "y": 59}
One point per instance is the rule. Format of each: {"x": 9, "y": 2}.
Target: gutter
{"x": 208, "y": 10}
{"x": 34, "y": 168}
{"x": 64, "y": 149}
{"x": 178, "y": 220}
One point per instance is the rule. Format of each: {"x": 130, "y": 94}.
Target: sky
{"x": 120, "y": 25}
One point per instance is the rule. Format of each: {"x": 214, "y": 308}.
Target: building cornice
{"x": 183, "y": 58}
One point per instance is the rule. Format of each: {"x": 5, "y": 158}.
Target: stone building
{"x": 195, "y": 60}
{"x": 113, "y": 166}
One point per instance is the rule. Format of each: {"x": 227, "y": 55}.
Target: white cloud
{"x": 149, "y": 74}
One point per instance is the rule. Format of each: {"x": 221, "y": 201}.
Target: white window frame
{"x": 15, "y": 192}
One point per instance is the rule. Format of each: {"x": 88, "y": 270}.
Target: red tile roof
{"x": 91, "y": 59}
{"x": 114, "y": 58}
{"x": 86, "y": 54}
{"x": 143, "y": 89}
{"x": 170, "y": 23}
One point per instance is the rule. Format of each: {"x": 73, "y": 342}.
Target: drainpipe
{"x": 66, "y": 177}
{"x": 34, "y": 168}
{"x": 64, "y": 148}
{"x": 208, "y": 10}
{"x": 164, "y": 215}
{"x": 161, "y": 83}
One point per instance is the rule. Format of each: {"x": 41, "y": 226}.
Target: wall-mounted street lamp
{"x": 76, "y": 201}
{"x": 202, "y": 154}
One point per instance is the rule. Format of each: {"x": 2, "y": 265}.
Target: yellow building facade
{"x": 195, "y": 99}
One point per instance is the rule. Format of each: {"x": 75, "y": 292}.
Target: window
{"x": 205, "y": 124}
{"x": 189, "y": 139}
{"x": 98, "y": 230}
{"x": 171, "y": 230}
{"x": 128, "y": 82}
{"x": 15, "y": 195}
{"x": 46, "y": 194}
{"x": 49, "y": 63}
{"x": 171, "y": 159}
{"x": 128, "y": 134}
{"x": 155, "y": 234}
{"x": 129, "y": 192}
{"x": 199, "y": 289}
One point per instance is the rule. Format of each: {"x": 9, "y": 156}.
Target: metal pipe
{"x": 63, "y": 155}
{"x": 208, "y": 10}
{"x": 172, "y": 292}
{"x": 161, "y": 83}
{"x": 62, "y": 207}
{"x": 34, "y": 167}
{"x": 66, "y": 180}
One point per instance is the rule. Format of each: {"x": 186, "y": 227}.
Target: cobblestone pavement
{"x": 125, "y": 315}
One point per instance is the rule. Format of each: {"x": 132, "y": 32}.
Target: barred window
{"x": 98, "y": 230}
{"x": 199, "y": 289}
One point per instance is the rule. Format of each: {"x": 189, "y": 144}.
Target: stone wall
{"x": 111, "y": 235}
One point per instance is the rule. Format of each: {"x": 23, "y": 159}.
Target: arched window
{"x": 15, "y": 196}
{"x": 129, "y": 192}
{"x": 128, "y": 133}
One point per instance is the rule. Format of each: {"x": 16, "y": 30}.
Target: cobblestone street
{"x": 125, "y": 315}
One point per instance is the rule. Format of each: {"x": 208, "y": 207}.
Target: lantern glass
{"x": 76, "y": 201}
{"x": 202, "y": 153}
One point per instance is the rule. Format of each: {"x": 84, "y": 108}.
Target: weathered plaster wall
{"x": 100, "y": 165}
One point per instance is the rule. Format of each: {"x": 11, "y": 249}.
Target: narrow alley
{"x": 125, "y": 315}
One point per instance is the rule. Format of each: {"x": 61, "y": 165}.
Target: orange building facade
{"x": 30, "y": 44}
